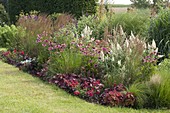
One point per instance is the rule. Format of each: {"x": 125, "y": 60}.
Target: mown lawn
{"x": 22, "y": 93}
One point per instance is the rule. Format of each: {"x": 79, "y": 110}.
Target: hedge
{"x": 75, "y": 7}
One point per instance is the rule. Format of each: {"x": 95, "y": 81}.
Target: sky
{"x": 119, "y": 1}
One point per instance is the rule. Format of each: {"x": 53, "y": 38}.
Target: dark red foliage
{"x": 117, "y": 96}
{"x": 88, "y": 88}
{"x": 66, "y": 81}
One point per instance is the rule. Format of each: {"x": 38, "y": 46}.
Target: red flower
{"x": 22, "y": 52}
{"x": 15, "y": 50}
{"x": 76, "y": 92}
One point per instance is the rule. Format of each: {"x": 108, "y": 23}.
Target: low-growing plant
{"x": 84, "y": 87}
{"x": 117, "y": 96}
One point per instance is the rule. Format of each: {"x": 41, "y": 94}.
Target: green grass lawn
{"x": 22, "y": 93}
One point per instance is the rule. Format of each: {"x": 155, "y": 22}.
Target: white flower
{"x": 149, "y": 46}
{"x": 127, "y": 43}
{"x": 86, "y": 32}
{"x": 145, "y": 45}
{"x": 118, "y": 47}
{"x": 113, "y": 59}
{"x": 132, "y": 35}
{"x": 102, "y": 55}
{"x": 121, "y": 30}
{"x": 153, "y": 44}
{"x": 119, "y": 62}
{"x": 156, "y": 50}
{"x": 160, "y": 56}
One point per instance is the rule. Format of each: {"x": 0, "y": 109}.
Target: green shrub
{"x": 76, "y": 7}
{"x": 160, "y": 31}
{"x": 10, "y": 36}
{"x": 160, "y": 91}
{"x": 4, "y": 19}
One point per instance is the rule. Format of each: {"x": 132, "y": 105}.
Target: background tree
{"x": 4, "y": 19}
{"x": 141, "y": 3}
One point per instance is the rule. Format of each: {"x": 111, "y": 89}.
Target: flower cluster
{"x": 92, "y": 47}
{"x": 47, "y": 41}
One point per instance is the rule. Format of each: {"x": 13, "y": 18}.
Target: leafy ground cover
{"x": 20, "y": 92}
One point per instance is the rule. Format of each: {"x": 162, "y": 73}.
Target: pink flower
{"x": 44, "y": 45}
{"x": 6, "y": 53}
{"x": 46, "y": 41}
{"x": 76, "y": 92}
{"x": 50, "y": 48}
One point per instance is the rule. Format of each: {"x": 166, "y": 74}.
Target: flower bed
{"x": 88, "y": 88}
